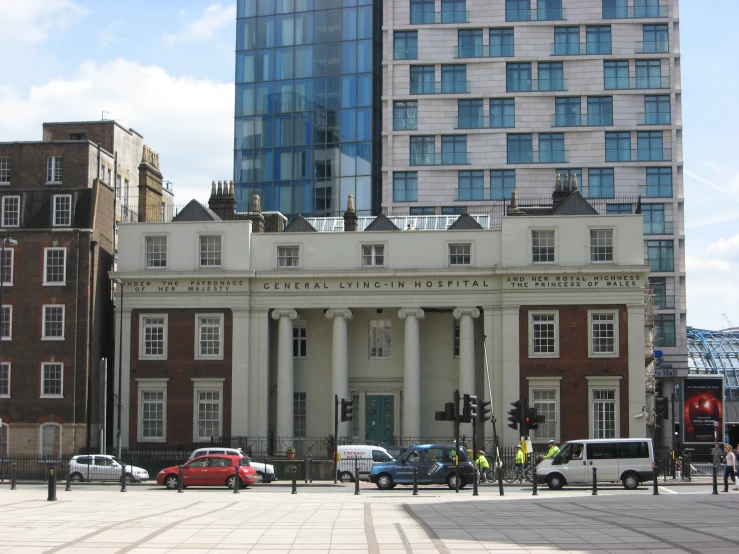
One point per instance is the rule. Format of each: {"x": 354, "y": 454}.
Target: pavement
{"x": 323, "y": 518}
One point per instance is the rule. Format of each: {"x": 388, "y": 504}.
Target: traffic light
{"x": 346, "y": 410}
{"x": 469, "y": 410}
{"x": 662, "y": 407}
{"x": 514, "y": 415}
{"x": 533, "y": 419}
{"x": 447, "y": 414}
{"x": 483, "y": 410}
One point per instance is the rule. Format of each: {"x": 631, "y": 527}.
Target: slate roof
{"x": 465, "y": 221}
{"x": 299, "y": 225}
{"x": 575, "y": 204}
{"x": 195, "y": 211}
{"x": 382, "y": 223}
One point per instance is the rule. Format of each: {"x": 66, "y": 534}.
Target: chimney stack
{"x": 222, "y": 201}
{"x": 351, "y": 220}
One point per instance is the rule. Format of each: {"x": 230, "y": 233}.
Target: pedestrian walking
{"x": 729, "y": 470}
{"x": 520, "y": 459}
{"x": 483, "y": 466}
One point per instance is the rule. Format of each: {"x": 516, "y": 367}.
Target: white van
{"x": 627, "y": 460}
{"x": 364, "y": 455}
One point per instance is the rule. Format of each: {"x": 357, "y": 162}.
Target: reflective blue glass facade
{"x": 308, "y": 121}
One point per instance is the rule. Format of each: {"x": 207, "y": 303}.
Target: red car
{"x": 208, "y": 471}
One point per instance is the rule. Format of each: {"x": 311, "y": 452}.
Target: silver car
{"x": 102, "y": 467}
{"x": 265, "y": 472}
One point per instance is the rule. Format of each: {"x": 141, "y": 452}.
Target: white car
{"x": 102, "y": 467}
{"x": 265, "y": 472}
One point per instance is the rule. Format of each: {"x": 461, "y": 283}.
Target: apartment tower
{"x": 478, "y": 98}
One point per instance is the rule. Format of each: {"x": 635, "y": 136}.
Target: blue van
{"x": 434, "y": 465}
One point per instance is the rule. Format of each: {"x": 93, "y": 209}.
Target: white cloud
{"x": 188, "y": 121}
{"x": 214, "y": 18}
{"x": 34, "y": 20}
{"x": 695, "y": 264}
{"x": 723, "y": 247}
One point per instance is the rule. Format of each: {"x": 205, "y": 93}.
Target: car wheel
{"x": 76, "y": 477}
{"x": 630, "y": 481}
{"x": 346, "y": 477}
{"x": 171, "y": 482}
{"x": 384, "y": 482}
{"x": 451, "y": 481}
{"x": 555, "y": 482}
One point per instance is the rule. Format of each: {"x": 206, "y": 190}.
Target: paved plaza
{"x": 100, "y": 519}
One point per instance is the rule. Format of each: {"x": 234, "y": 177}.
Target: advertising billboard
{"x": 703, "y": 408}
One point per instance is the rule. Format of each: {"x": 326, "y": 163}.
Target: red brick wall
{"x": 28, "y": 164}
{"x": 98, "y": 132}
{"x": 574, "y": 365}
{"x": 180, "y": 367}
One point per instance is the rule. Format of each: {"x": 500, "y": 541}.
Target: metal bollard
{"x": 12, "y": 477}
{"x": 415, "y": 481}
{"x": 52, "y": 483}
{"x": 237, "y": 479}
{"x": 180, "y": 486}
{"x": 474, "y": 484}
{"x": 688, "y": 467}
{"x": 69, "y": 482}
{"x": 123, "y": 479}
{"x": 356, "y": 479}
{"x": 655, "y": 491}
{"x": 533, "y": 478}
{"x": 595, "y": 481}
{"x": 295, "y": 480}
{"x": 499, "y": 471}
{"x": 309, "y": 470}
{"x": 715, "y": 483}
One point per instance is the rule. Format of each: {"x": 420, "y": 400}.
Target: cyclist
{"x": 553, "y": 450}
{"x": 483, "y": 466}
{"x": 520, "y": 460}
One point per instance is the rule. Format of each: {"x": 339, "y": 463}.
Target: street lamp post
{"x": 120, "y": 372}
{"x": 11, "y": 242}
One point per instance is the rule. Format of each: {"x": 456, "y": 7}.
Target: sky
{"x": 166, "y": 69}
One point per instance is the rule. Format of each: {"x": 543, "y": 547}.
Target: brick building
{"x": 57, "y": 212}
{"x": 231, "y": 332}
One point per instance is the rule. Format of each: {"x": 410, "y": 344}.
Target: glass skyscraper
{"x": 308, "y": 115}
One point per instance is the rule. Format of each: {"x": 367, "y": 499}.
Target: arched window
{"x": 50, "y": 439}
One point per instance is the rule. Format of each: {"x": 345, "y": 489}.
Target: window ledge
{"x": 59, "y": 396}
{"x": 52, "y": 338}
{"x": 54, "y": 284}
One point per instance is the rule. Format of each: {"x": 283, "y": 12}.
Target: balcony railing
{"x": 653, "y": 118}
{"x": 659, "y": 228}
{"x": 454, "y": 87}
{"x": 652, "y": 47}
{"x": 625, "y": 83}
{"x": 483, "y": 51}
{"x": 481, "y": 122}
{"x": 581, "y": 120}
{"x": 452, "y": 158}
{"x": 635, "y": 12}
{"x": 536, "y": 85}
{"x": 651, "y": 155}
{"x": 430, "y": 18}
{"x": 526, "y": 14}
{"x": 405, "y": 53}
{"x": 538, "y": 157}
{"x": 578, "y": 49}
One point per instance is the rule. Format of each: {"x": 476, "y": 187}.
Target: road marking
{"x": 369, "y": 531}
{"x": 403, "y": 538}
{"x": 438, "y": 543}
{"x": 667, "y": 490}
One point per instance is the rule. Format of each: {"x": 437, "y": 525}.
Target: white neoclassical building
{"x": 231, "y": 332}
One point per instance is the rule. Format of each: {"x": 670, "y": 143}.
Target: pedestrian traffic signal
{"x": 473, "y": 408}
{"x": 447, "y": 414}
{"x": 483, "y": 410}
{"x": 346, "y": 410}
{"x": 514, "y": 415}
{"x": 662, "y": 407}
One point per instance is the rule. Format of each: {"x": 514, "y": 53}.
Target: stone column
{"x": 240, "y": 373}
{"x": 466, "y": 355}
{"x": 340, "y": 363}
{"x": 285, "y": 383}
{"x": 412, "y": 373}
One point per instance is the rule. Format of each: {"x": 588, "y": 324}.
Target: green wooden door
{"x": 380, "y": 417}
